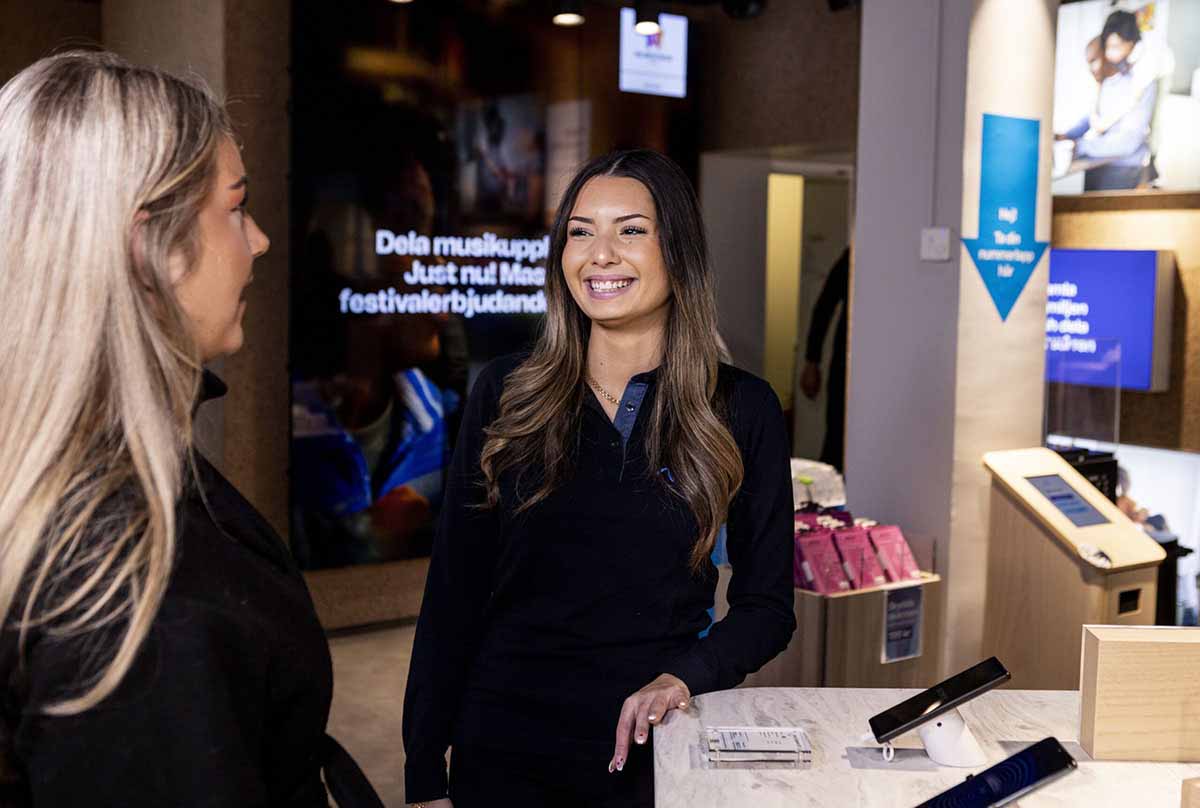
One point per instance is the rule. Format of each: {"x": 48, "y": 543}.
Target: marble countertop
{"x": 849, "y": 771}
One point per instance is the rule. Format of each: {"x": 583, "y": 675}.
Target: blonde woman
{"x": 158, "y": 646}
{"x": 571, "y": 572}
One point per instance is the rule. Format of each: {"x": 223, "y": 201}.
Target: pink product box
{"x": 858, "y": 558}
{"x": 894, "y": 554}
{"x": 807, "y": 519}
{"x": 817, "y": 566}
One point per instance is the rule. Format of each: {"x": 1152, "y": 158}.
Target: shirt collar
{"x": 211, "y": 386}
{"x": 590, "y": 398}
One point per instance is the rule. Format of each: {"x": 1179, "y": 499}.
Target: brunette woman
{"x": 571, "y": 573}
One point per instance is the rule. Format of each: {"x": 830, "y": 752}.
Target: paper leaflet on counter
{"x": 788, "y": 746}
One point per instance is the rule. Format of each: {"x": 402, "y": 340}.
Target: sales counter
{"x": 847, "y": 770}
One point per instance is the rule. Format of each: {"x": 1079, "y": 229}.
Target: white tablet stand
{"x": 949, "y": 742}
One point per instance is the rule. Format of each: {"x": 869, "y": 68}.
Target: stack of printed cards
{"x": 733, "y": 746}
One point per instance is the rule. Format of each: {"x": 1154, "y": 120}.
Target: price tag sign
{"x": 903, "y": 610}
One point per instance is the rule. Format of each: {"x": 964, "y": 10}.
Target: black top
{"x": 535, "y": 628}
{"x": 226, "y": 703}
{"x": 833, "y": 293}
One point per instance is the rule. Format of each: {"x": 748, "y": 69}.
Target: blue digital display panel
{"x": 1097, "y": 300}
{"x": 1068, "y": 500}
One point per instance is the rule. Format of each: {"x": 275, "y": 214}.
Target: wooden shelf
{"x": 926, "y": 578}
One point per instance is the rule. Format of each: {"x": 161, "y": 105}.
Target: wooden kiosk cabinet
{"x": 1060, "y": 555}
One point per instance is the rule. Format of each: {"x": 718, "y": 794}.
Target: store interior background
{"x": 800, "y": 126}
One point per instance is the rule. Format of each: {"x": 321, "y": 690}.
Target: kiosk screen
{"x": 1067, "y": 500}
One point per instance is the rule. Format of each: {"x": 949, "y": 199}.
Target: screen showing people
{"x": 422, "y": 254}
{"x": 1127, "y": 96}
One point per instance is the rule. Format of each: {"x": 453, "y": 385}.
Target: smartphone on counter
{"x": 1010, "y": 779}
{"x": 941, "y": 698}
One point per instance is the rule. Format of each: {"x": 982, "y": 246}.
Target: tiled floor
{"x": 370, "y": 669}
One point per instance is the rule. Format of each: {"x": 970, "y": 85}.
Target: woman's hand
{"x": 649, "y": 705}
{"x": 444, "y": 802}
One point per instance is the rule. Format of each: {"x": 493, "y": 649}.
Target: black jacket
{"x": 536, "y": 627}
{"x": 226, "y": 703}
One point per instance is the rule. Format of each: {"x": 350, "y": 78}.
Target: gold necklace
{"x": 601, "y": 390}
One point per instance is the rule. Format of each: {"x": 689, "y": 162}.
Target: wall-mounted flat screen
{"x": 654, "y": 64}
{"x": 1067, "y": 500}
{"x": 1127, "y": 96}
{"x": 419, "y": 205}
{"x": 1108, "y": 318}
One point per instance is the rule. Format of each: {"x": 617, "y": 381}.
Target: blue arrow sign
{"x": 1005, "y": 252}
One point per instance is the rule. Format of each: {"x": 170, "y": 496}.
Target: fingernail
{"x": 620, "y": 764}
{"x": 641, "y": 739}
{"x": 611, "y": 766}
{"x": 683, "y": 705}
{"x": 652, "y": 717}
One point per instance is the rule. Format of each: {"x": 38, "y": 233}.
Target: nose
{"x": 604, "y": 252}
{"x": 259, "y": 243}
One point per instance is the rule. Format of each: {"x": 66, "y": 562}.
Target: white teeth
{"x": 609, "y": 286}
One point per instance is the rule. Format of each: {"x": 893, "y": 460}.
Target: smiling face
{"x": 1117, "y": 49}
{"x": 612, "y": 261}
{"x": 212, "y": 292}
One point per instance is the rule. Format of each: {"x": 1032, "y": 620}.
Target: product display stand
{"x": 1060, "y": 555}
{"x": 949, "y": 742}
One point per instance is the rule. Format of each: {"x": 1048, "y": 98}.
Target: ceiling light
{"x": 570, "y": 13}
{"x": 647, "y": 19}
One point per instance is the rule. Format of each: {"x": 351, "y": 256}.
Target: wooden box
{"x": 1139, "y": 693}
{"x": 1191, "y": 793}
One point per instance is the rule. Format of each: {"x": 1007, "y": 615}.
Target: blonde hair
{"x": 99, "y": 372}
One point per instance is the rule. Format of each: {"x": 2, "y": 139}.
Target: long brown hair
{"x": 687, "y": 430}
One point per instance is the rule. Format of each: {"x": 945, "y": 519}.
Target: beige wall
{"x": 241, "y": 48}
{"x": 803, "y": 61}
{"x": 936, "y": 378}
{"x": 1001, "y": 364}
{"x": 900, "y": 411}
{"x": 183, "y": 36}
{"x": 258, "y": 86}
{"x": 31, "y": 30}
{"x": 1170, "y": 419}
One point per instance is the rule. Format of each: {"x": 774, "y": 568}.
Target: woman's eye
{"x": 578, "y": 231}
{"x": 633, "y": 231}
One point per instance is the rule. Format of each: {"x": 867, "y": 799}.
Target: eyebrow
{"x": 625, "y": 218}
